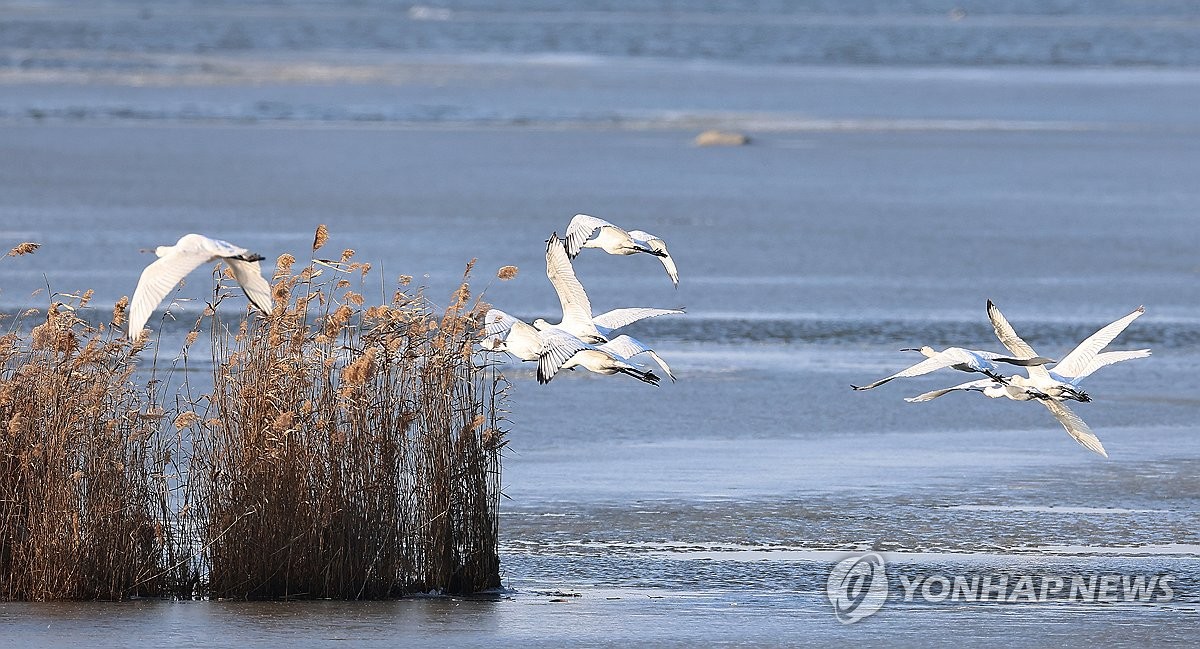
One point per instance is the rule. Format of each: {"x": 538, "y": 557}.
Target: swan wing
{"x": 558, "y": 347}
{"x": 1011, "y": 341}
{"x": 933, "y": 363}
{"x": 1076, "y": 427}
{"x": 198, "y": 243}
{"x": 577, "y": 309}
{"x": 249, "y": 276}
{"x": 579, "y": 230}
{"x": 496, "y": 322}
{"x": 618, "y": 318}
{"x": 1108, "y": 358}
{"x": 970, "y": 385}
{"x": 157, "y": 280}
{"x": 660, "y": 250}
{"x": 627, "y": 347}
{"x": 1079, "y": 358}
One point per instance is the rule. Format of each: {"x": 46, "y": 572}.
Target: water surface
{"x": 886, "y": 195}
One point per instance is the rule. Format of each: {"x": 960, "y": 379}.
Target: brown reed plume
{"x": 78, "y": 501}
{"x": 341, "y": 450}
{"x": 346, "y": 451}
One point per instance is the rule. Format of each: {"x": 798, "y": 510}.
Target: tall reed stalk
{"x": 79, "y": 511}
{"x": 343, "y": 451}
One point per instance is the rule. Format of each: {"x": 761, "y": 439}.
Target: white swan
{"x": 965, "y": 360}
{"x": 506, "y": 333}
{"x": 175, "y": 262}
{"x": 601, "y": 360}
{"x": 577, "y": 308}
{"x": 1056, "y": 382}
{"x": 590, "y": 232}
{"x": 1008, "y": 387}
{"x": 554, "y": 349}
{"x": 1074, "y": 425}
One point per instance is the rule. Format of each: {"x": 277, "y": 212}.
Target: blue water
{"x": 872, "y": 32}
{"x": 907, "y": 162}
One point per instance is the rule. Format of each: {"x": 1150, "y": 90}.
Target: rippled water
{"x": 877, "y": 208}
{"x": 861, "y": 32}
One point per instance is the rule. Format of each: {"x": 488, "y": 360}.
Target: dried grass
{"x": 78, "y": 514}
{"x": 343, "y": 451}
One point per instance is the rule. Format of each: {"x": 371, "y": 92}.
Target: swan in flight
{"x": 568, "y": 352}
{"x": 506, "y": 333}
{"x": 965, "y": 360}
{"x": 555, "y": 349}
{"x": 1008, "y": 387}
{"x": 590, "y": 232}
{"x": 1060, "y": 382}
{"x": 577, "y": 308}
{"x": 1074, "y": 425}
{"x": 175, "y": 262}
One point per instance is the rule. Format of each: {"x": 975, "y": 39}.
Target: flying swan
{"x": 175, "y": 262}
{"x": 1056, "y": 382}
{"x": 590, "y": 232}
{"x": 555, "y": 349}
{"x": 964, "y": 360}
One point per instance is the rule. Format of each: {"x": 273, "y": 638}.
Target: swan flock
{"x": 1050, "y": 386}
{"x": 583, "y": 339}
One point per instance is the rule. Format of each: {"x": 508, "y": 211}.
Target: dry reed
{"x": 342, "y": 451}
{"x": 348, "y": 452}
{"x": 78, "y": 512}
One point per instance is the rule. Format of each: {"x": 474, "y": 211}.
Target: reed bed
{"x": 79, "y": 510}
{"x": 341, "y": 451}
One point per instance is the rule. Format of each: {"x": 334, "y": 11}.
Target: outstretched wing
{"x": 577, "y": 309}
{"x": 156, "y": 281}
{"x": 628, "y": 347}
{"x": 971, "y": 385}
{"x": 1108, "y": 358}
{"x": 582, "y": 228}
{"x": 618, "y": 318}
{"x": 249, "y": 277}
{"x": 558, "y": 347}
{"x": 1076, "y": 427}
{"x": 1079, "y": 358}
{"x": 936, "y": 362}
{"x": 660, "y": 250}
{"x": 1011, "y": 341}
{"x": 496, "y": 322}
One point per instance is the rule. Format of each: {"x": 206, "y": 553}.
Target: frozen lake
{"x": 878, "y": 207}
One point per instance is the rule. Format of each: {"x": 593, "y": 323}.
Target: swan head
{"x": 540, "y": 324}
{"x": 925, "y": 351}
